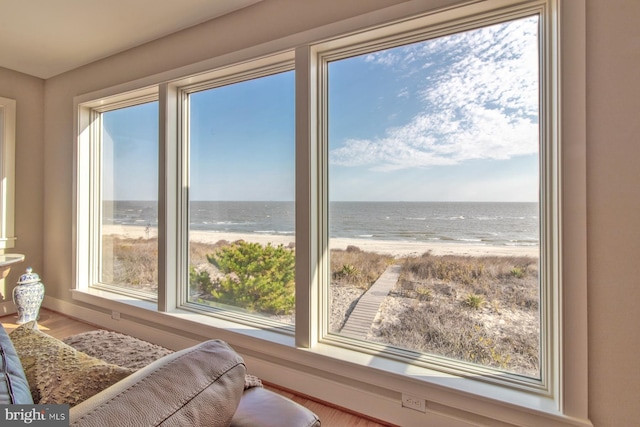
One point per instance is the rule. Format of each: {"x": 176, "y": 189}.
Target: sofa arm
{"x": 198, "y": 386}
{"x": 264, "y": 408}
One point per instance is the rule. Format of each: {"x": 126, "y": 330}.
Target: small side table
{"x": 7, "y": 261}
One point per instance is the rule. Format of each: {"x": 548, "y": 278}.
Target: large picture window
{"x": 383, "y": 205}
{"x": 126, "y": 149}
{"x": 241, "y": 196}
{"x": 434, "y": 195}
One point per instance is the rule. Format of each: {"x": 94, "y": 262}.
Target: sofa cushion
{"x": 14, "y": 389}
{"x": 264, "y": 408}
{"x": 56, "y": 372}
{"x": 198, "y": 386}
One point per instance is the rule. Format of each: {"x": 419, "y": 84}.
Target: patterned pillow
{"x": 56, "y": 372}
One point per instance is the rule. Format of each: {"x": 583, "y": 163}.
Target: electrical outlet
{"x": 415, "y": 403}
{"x": 115, "y": 315}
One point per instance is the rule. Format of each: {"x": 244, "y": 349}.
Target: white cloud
{"x": 480, "y": 95}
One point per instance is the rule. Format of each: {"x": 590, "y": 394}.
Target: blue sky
{"x": 449, "y": 119}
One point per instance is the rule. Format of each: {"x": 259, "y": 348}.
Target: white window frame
{"x": 7, "y": 172}
{"x": 550, "y": 226}
{"x": 87, "y": 181}
{"x": 327, "y": 367}
{"x": 237, "y": 74}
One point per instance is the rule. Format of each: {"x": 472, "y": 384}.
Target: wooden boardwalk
{"x": 359, "y": 322}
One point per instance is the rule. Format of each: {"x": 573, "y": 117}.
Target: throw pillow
{"x": 14, "y": 389}
{"x": 118, "y": 349}
{"x": 56, "y": 372}
{"x": 124, "y": 350}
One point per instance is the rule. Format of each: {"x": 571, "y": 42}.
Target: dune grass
{"x": 354, "y": 267}
{"x": 130, "y": 263}
{"x": 477, "y": 309}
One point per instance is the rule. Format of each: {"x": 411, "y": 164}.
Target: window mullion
{"x": 306, "y": 201}
{"x": 95, "y": 195}
{"x": 169, "y": 247}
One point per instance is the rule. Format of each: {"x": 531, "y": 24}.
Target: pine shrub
{"x": 255, "y": 277}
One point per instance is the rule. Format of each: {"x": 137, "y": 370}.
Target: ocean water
{"x": 501, "y": 224}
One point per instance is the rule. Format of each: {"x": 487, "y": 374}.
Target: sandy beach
{"x": 395, "y": 248}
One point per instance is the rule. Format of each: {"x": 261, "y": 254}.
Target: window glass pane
{"x": 129, "y": 189}
{"x": 434, "y": 196}
{"x": 241, "y": 197}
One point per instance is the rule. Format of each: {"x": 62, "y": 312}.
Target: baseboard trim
{"x": 119, "y": 324}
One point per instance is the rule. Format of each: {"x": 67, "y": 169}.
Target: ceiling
{"x": 44, "y": 38}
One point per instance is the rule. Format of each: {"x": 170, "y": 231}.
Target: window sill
{"x": 196, "y": 323}
{"x": 273, "y": 356}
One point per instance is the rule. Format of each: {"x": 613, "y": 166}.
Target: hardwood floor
{"x": 52, "y": 323}
{"x": 60, "y": 326}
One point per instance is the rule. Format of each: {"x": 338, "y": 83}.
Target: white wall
{"x": 613, "y": 196}
{"x": 613, "y": 126}
{"x": 28, "y": 92}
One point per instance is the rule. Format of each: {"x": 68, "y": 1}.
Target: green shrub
{"x": 518, "y": 272}
{"x": 348, "y": 274}
{"x": 257, "y": 278}
{"x": 424, "y": 294}
{"x": 474, "y": 301}
{"x": 200, "y": 281}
